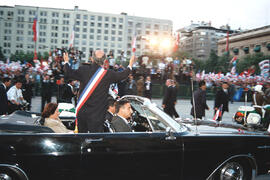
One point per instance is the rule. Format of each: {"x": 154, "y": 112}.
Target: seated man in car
{"x": 120, "y": 122}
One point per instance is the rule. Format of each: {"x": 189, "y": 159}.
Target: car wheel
{"x": 234, "y": 170}
{"x": 8, "y": 174}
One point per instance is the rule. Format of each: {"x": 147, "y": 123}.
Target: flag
{"x": 227, "y": 42}
{"x": 72, "y": 37}
{"x": 233, "y": 59}
{"x": 233, "y": 70}
{"x": 134, "y": 44}
{"x": 35, "y": 55}
{"x": 218, "y": 113}
{"x": 35, "y": 28}
{"x": 176, "y": 43}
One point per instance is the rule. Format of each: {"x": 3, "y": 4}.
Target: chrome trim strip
{"x": 263, "y": 147}
{"x": 17, "y": 168}
{"x": 254, "y": 171}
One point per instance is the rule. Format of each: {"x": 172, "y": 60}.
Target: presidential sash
{"x": 89, "y": 89}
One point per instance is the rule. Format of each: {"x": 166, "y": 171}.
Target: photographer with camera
{"x": 15, "y": 97}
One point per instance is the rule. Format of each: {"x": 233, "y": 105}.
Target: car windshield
{"x": 157, "y": 119}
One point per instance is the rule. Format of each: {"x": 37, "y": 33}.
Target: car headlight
{"x": 253, "y": 118}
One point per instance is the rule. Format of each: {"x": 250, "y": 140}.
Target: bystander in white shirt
{"x": 14, "y": 94}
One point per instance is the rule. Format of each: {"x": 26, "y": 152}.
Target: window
{"x": 105, "y": 44}
{"x": 92, "y": 18}
{"x": 84, "y": 29}
{"x": 106, "y": 31}
{"x": 20, "y": 19}
{"x": 114, "y": 19}
{"x": 77, "y": 35}
{"x": 113, "y": 38}
{"x": 20, "y": 25}
{"x": 21, "y": 11}
{"x": 78, "y": 16}
{"x": 129, "y": 31}
{"x": 156, "y": 26}
{"x": 98, "y": 37}
{"x": 91, "y": 43}
{"x": 106, "y": 38}
{"x": 120, "y": 20}
{"x": 130, "y": 24}
{"x": 78, "y": 23}
{"x": 43, "y": 13}
{"x": 99, "y": 31}
{"x": 113, "y": 32}
{"x": 77, "y": 29}
{"x": 99, "y": 24}
{"x": 139, "y": 25}
{"x": 85, "y": 23}
{"x": 120, "y": 26}
{"x": 106, "y": 25}
{"x": 99, "y": 18}
{"x": 92, "y": 24}
{"x": 92, "y": 30}
{"x": 55, "y": 14}
{"x": 85, "y": 17}
{"x": 84, "y": 36}
{"x": 91, "y": 37}
{"x": 107, "y": 19}
{"x": 119, "y": 39}
{"x": 120, "y": 32}
{"x": 65, "y": 15}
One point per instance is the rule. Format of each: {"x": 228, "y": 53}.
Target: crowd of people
{"x": 63, "y": 76}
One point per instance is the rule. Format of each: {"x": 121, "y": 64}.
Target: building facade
{"x": 247, "y": 42}
{"x": 199, "y": 39}
{"x": 93, "y": 30}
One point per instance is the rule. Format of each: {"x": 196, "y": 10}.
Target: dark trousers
{"x": 29, "y": 100}
{"x": 169, "y": 110}
{"x": 175, "y": 114}
{"x": 44, "y": 100}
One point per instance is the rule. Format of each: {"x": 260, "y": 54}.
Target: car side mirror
{"x": 169, "y": 134}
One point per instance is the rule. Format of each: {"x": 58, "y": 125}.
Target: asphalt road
{"x": 182, "y": 107}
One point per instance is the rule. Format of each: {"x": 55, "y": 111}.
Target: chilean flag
{"x": 218, "y": 113}
{"x": 35, "y": 28}
{"x": 72, "y": 37}
{"x": 134, "y": 44}
{"x": 177, "y": 41}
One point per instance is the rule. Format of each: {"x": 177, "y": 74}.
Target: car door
{"x": 156, "y": 153}
{"x": 43, "y": 156}
{"x": 107, "y": 155}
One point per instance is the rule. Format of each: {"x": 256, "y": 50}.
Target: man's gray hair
{"x": 97, "y": 60}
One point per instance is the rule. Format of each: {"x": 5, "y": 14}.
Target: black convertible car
{"x": 159, "y": 147}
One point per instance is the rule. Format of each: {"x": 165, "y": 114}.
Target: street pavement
{"x": 183, "y": 108}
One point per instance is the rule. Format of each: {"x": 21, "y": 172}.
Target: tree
{"x": 251, "y": 60}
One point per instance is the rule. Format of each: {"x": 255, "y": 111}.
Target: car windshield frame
{"x": 152, "y": 107}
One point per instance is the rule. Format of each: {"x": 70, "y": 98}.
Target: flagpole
{"x": 193, "y": 102}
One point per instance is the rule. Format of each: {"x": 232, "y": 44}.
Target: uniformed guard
{"x": 94, "y": 86}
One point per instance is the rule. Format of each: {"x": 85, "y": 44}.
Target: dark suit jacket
{"x": 119, "y": 125}
{"x": 174, "y": 94}
{"x": 3, "y": 100}
{"x": 200, "y": 103}
{"x": 148, "y": 93}
{"x": 108, "y": 116}
{"x": 168, "y": 98}
{"x": 92, "y": 114}
{"x": 67, "y": 94}
{"x": 222, "y": 98}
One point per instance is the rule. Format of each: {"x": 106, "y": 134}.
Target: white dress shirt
{"x": 14, "y": 94}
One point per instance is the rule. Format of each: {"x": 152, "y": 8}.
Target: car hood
{"x": 214, "y": 127}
